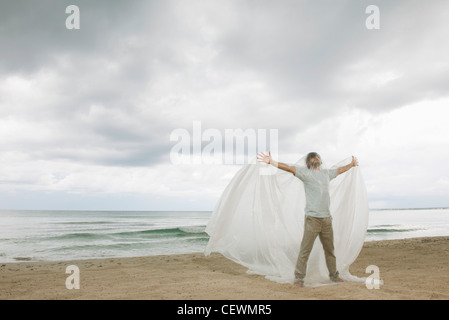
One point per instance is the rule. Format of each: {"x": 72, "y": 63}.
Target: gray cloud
{"x": 304, "y": 50}
{"x": 106, "y": 65}
{"x": 112, "y": 92}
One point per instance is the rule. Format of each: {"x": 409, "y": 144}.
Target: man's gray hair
{"x": 310, "y": 156}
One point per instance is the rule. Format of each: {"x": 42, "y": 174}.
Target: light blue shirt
{"x": 316, "y": 185}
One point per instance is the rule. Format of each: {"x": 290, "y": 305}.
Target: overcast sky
{"x": 86, "y": 115}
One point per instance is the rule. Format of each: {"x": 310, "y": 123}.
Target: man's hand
{"x": 354, "y": 162}
{"x": 262, "y": 157}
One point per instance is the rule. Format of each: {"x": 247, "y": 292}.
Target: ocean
{"x": 70, "y": 235}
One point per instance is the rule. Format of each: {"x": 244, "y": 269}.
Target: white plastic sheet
{"x": 259, "y": 220}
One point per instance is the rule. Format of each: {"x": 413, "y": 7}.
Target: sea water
{"x": 407, "y": 223}
{"x": 71, "y": 235}
{"x": 67, "y": 235}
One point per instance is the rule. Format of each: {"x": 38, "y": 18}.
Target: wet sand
{"x": 410, "y": 268}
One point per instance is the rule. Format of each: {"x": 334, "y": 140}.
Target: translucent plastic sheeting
{"x": 258, "y": 222}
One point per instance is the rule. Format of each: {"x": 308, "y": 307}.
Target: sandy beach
{"x": 411, "y": 269}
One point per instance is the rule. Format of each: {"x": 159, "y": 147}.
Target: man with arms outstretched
{"x": 318, "y": 220}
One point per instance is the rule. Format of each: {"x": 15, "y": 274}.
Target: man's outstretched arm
{"x": 267, "y": 159}
{"x": 345, "y": 168}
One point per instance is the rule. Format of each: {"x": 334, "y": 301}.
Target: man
{"x": 318, "y": 220}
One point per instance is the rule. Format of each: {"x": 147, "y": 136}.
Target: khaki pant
{"x": 312, "y": 228}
